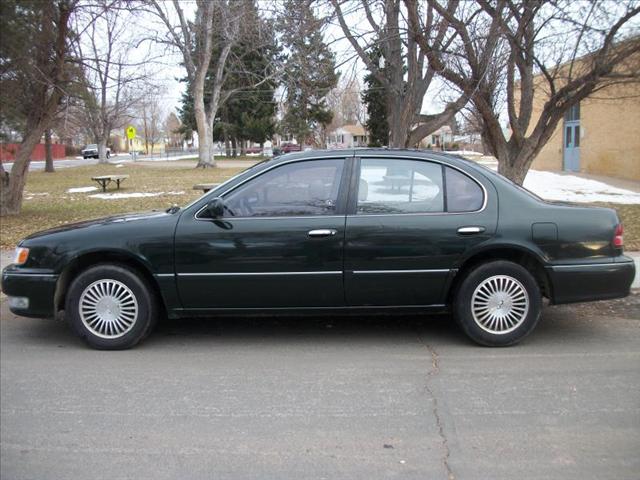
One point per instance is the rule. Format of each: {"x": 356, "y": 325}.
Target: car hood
{"x": 129, "y": 217}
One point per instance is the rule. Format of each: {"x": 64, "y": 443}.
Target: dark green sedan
{"x": 331, "y": 231}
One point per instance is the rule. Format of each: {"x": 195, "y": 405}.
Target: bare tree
{"x": 405, "y": 75}
{"x": 195, "y": 41}
{"x": 171, "y": 129}
{"x": 33, "y": 75}
{"x": 112, "y": 79}
{"x": 563, "y": 51}
{"x": 346, "y": 103}
{"x": 150, "y": 114}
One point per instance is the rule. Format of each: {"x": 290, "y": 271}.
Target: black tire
{"x": 141, "y": 317}
{"x": 482, "y": 326}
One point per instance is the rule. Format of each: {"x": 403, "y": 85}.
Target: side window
{"x": 399, "y": 186}
{"x": 297, "y": 189}
{"x": 463, "y": 194}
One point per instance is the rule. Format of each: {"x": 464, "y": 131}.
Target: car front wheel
{"x": 498, "y": 303}
{"x": 111, "y": 307}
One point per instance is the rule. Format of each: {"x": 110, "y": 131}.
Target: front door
{"x": 279, "y": 245}
{"x": 571, "y": 140}
{"x": 404, "y": 233}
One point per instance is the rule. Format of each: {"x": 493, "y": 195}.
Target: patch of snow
{"x": 553, "y": 186}
{"x": 117, "y": 196}
{"x": 82, "y": 189}
{"x": 119, "y": 165}
{"x": 469, "y": 153}
{"x": 570, "y": 188}
{"x": 40, "y": 194}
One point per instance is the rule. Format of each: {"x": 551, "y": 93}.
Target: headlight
{"x": 21, "y": 256}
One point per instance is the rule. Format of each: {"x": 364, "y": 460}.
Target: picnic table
{"x": 104, "y": 180}
{"x": 397, "y": 181}
{"x": 205, "y": 187}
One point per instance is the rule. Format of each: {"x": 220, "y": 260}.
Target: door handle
{"x": 323, "y": 232}
{"x": 470, "y": 230}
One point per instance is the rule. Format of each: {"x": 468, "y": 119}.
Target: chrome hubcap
{"x": 499, "y": 304}
{"x": 108, "y": 308}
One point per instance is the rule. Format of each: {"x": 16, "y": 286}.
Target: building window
{"x": 573, "y": 114}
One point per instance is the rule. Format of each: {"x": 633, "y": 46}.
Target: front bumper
{"x": 591, "y": 281}
{"x": 38, "y": 287}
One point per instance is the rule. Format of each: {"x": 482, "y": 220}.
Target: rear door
{"x": 409, "y": 223}
{"x": 279, "y": 245}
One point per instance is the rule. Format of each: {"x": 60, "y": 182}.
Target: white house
{"x": 348, "y": 136}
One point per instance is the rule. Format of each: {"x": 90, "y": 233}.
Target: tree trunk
{"x": 234, "y": 146}
{"x": 205, "y": 127}
{"x": 102, "y": 150}
{"x": 48, "y": 155}
{"x": 12, "y": 184}
{"x": 512, "y": 169}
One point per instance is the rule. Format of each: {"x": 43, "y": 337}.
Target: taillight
{"x": 618, "y": 239}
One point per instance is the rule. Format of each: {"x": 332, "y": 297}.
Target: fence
{"x": 8, "y": 151}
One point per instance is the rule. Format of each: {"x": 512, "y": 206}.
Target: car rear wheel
{"x": 498, "y": 303}
{"x": 111, "y": 307}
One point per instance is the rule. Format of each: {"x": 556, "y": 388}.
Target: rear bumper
{"x": 39, "y": 288}
{"x": 591, "y": 281}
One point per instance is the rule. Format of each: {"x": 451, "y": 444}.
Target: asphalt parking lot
{"x": 334, "y": 398}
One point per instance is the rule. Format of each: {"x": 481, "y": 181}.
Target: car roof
{"x": 399, "y": 153}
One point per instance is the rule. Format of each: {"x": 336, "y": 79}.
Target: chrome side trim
{"x": 29, "y": 274}
{"x": 580, "y": 265}
{"x": 164, "y": 274}
{"x": 252, "y": 274}
{"x": 228, "y": 190}
{"x": 435, "y": 270}
{"x": 226, "y": 219}
{"x": 338, "y": 157}
{"x": 409, "y": 157}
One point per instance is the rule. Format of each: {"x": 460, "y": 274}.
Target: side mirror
{"x": 215, "y": 208}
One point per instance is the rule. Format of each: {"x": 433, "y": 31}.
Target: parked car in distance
{"x": 330, "y": 231}
{"x": 253, "y": 150}
{"x": 290, "y": 147}
{"x": 91, "y": 151}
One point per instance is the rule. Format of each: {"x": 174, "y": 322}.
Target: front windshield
{"x": 227, "y": 181}
{"x": 93, "y": 145}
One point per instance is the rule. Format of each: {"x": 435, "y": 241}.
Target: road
{"x": 334, "y": 398}
{"x": 38, "y": 165}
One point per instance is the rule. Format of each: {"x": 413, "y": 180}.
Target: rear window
{"x": 463, "y": 193}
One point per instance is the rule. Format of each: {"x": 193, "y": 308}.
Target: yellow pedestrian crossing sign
{"x": 131, "y": 132}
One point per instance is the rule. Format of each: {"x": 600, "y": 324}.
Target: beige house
{"x": 599, "y": 136}
{"x": 348, "y": 136}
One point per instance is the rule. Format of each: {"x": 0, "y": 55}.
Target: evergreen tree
{"x": 375, "y": 99}
{"x": 310, "y": 70}
{"x": 247, "y": 109}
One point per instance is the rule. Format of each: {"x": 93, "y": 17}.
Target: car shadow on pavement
{"x": 557, "y": 324}
{"x": 287, "y": 329}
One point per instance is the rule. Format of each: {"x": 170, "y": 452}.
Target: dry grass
{"x": 48, "y": 204}
{"x": 630, "y": 216}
